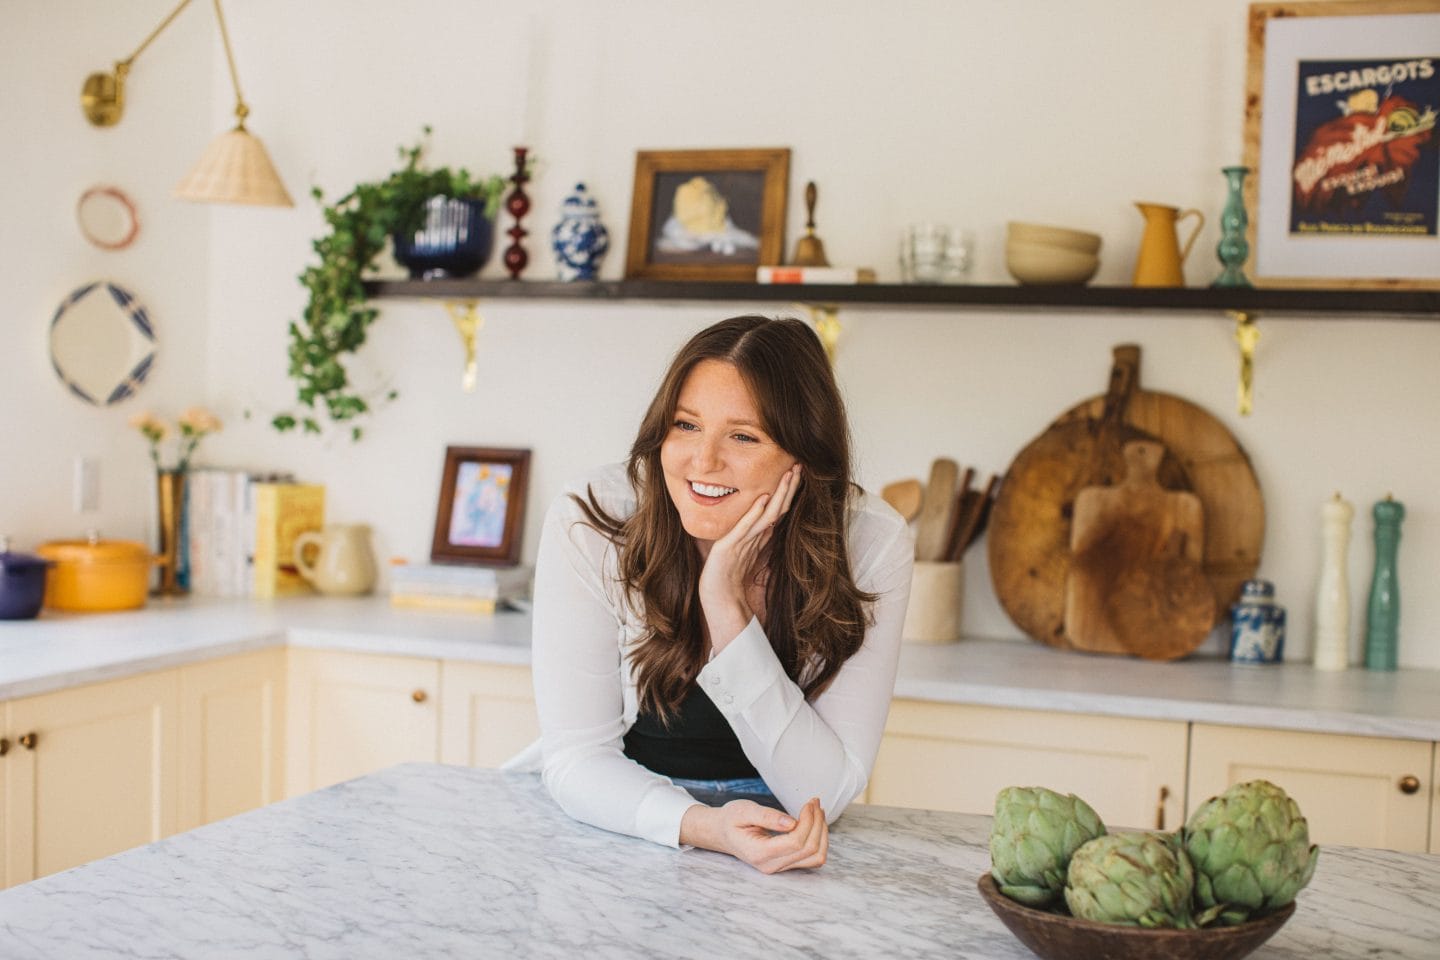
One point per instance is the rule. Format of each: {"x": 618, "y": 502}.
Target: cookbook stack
{"x": 460, "y": 588}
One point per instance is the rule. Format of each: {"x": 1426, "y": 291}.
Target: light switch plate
{"x": 87, "y": 484}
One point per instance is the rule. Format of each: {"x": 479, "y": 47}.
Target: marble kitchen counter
{"x": 424, "y": 860}
{"x": 62, "y": 651}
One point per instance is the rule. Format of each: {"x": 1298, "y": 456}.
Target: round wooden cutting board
{"x": 1030, "y": 524}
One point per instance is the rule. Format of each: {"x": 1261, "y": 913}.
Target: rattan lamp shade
{"x": 234, "y": 169}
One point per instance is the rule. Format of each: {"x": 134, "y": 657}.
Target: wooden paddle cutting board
{"x": 1135, "y": 582}
{"x": 1029, "y": 525}
{"x": 1218, "y": 471}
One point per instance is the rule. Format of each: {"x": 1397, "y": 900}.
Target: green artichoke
{"x": 1134, "y": 879}
{"x": 1034, "y": 833}
{"x": 1251, "y": 849}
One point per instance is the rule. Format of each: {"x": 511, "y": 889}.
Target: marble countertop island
{"x": 424, "y": 860}
{"x": 59, "y": 651}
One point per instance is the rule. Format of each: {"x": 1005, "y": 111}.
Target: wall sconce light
{"x": 235, "y": 167}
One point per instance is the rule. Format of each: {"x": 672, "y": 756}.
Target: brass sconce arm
{"x": 103, "y": 96}
{"x": 234, "y": 169}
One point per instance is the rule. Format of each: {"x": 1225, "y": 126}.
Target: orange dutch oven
{"x": 95, "y": 574}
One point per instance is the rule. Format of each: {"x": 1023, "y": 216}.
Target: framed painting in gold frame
{"x": 707, "y": 214}
{"x": 1340, "y": 108}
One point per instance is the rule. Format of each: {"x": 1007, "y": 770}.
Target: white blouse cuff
{"x": 749, "y": 687}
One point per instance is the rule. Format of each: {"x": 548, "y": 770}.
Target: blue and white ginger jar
{"x": 579, "y": 239}
{"x": 1257, "y": 625}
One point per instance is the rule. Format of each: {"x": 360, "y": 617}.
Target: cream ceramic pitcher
{"x": 1161, "y": 256}
{"x": 344, "y": 563}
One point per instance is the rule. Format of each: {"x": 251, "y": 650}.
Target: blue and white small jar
{"x": 1257, "y": 625}
{"x": 579, "y": 239}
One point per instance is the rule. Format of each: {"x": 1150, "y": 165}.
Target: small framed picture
{"x": 707, "y": 214}
{"x": 1341, "y": 106}
{"x": 482, "y": 506}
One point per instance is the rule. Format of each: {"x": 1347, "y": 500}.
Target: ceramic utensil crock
{"x": 93, "y": 574}
{"x": 22, "y": 583}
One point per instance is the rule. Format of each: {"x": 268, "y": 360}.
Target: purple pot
{"x": 22, "y": 584}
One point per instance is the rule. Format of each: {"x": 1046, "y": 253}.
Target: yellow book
{"x": 425, "y": 601}
{"x": 283, "y": 511}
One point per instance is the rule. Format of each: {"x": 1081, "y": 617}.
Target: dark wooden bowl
{"x": 1054, "y": 936}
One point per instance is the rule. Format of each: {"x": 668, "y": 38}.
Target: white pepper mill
{"x": 1332, "y": 600}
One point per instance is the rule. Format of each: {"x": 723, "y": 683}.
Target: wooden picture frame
{"x": 482, "y": 506}
{"x": 707, "y": 214}
{"x": 1332, "y": 201}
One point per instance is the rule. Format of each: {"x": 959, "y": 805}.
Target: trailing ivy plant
{"x": 337, "y": 315}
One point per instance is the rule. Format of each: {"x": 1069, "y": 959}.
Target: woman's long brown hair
{"x": 815, "y": 615}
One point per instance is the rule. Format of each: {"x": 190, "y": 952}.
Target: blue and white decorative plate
{"x": 101, "y": 343}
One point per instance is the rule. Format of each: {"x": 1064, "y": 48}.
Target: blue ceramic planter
{"x": 454, "y": 240}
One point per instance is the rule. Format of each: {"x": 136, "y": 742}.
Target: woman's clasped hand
{"x": 769, "y": 840}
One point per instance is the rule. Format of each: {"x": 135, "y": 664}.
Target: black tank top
{"x": 698, "y": 744}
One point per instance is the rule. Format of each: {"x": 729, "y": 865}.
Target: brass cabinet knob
{"x": 1160, "y": 808}
{"x": 1409, "y": 784}
{"x": 28, "y": 741}
{"x": 4, "y": 746}
{"x": 419, "y": 696}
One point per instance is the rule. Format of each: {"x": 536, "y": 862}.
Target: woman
{"x": 720, "y": 618}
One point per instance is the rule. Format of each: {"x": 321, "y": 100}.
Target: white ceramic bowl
{"x": 1078, "y": 240}
{"x": 1038, "y": 263}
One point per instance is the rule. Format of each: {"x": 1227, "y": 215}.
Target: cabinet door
{"x": 957, "y": 757}
{"x": 99, "y": 778}
{"x": 350, "y": 714}
{"x": 1349, "y": 788}
{"x": 1434, "y": 792}
{"x": 232, "y": 736}
{"x": 487, "y": 713}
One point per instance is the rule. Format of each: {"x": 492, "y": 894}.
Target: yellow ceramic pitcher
{"x": 1161, "y": 256}
{"x": 345, "y": 564}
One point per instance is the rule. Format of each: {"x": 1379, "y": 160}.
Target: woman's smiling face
{"x": 717, "y": 459}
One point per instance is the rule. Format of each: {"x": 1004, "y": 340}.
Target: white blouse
{"x": 586, "y": 696}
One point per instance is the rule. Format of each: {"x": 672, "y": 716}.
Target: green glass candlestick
{"x": 1382, "y": 620}
{"x": 1233, "y": 248}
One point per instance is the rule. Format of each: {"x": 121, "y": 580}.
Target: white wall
{"x": 969, "y": 112}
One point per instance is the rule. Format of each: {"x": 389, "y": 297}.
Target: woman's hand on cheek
{"x": 735, "y": 561}
{"x": 767, "y": 839}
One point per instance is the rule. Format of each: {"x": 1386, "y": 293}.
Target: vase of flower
{"x": 1233, "y": 248}
{"x": 190, "y": 426}
{"x": 170, "y": 493}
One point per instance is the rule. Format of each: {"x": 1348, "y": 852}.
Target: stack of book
{"x": 239, "y": 530}
{"x": 468, "y": 589}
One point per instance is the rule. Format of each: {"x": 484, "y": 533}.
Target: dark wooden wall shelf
{"x": 1406, "y": 304}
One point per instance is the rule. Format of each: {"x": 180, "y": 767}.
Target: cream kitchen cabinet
{"x": 487, "y": 713}
{"x": 350, "y": 714}
{"x": 1434, "y": 792}
{"x": 90, "y": 771}
{"x": 957, "y": 757}
{"x": 232, "y": 736}
{"x": 1357, "y": 791}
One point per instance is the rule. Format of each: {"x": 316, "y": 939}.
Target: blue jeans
{"x": 716, "y": 793}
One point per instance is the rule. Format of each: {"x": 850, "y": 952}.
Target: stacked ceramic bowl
{"x": 1037, "y": 254}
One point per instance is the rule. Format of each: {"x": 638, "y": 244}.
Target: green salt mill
{"x": 1382, "y": 620}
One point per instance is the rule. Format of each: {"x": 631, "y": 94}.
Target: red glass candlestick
{"x": 517, "y": 204}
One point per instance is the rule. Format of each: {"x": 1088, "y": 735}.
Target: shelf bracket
{"x": 825, "y": 318}
{"x": 1247, "y": 335}
{"x": 465, "y": 314}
